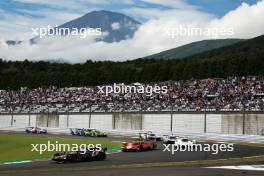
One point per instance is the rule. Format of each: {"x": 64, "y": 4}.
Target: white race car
{"x": 150, "y": 135}
{"x": 169, "y": 139}
{"x": 185, "y": 142}
{"x": 35, "y": 130}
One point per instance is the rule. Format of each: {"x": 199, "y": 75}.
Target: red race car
{"x": 138, "y": 146}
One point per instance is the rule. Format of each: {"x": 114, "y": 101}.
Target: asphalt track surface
{"x": 48, "y": 168}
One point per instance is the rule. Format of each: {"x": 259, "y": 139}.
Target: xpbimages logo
{"x": 60, "y": 31}
{"x": 212, "y": 148}
{"x": 136, "y": 89}
{"x": 58, "y": 147}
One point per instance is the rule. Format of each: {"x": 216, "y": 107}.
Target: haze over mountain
{"x": 193, "y": 48}
{"x": 118, "y": 26}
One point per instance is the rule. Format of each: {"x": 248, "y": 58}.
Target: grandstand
{"x": 230, "y": 94}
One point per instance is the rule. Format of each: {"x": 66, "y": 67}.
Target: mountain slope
{"x": 118, "y": 26}
{"x": 244, "y": 49}
{"x": 193, "y": 48}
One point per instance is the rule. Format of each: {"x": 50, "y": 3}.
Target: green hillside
{"x": 193, "y": 48}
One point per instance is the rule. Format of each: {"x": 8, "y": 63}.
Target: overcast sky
{"x": 17, "y": 17}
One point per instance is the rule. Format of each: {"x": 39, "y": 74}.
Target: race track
{"x": 130, "y": 158}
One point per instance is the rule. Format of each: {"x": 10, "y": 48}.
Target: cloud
{"x": 115, "y": 26}
{"x": 72, "y": 3}
{"x": 19, "y": 27}
{"x": 71, "y": 49}
{"x": 53, "y": 15}
{"x": 179, "y": 4}
{"x": 153, "y": 36}
{"x": 246, "y": 21}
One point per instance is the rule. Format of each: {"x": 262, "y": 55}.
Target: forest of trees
{"x": 241, "y": 59}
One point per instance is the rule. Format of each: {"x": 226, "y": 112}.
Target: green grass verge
{"x": 15, "y": 147}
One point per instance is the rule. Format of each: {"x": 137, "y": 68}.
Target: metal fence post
{"x": 29, "y": 117}
{"x": 244, "y": 122}
{"x": 48, "y": 118}
{"x": 114, "y": 120}
{"x": 141, "y": 116}
{"x": 68, "y": 114}
{"x": 12, "y": 117}
{"x": 171, "y": 120}
{"x": 205, "y": 121}
{"x": 90, "y": 116}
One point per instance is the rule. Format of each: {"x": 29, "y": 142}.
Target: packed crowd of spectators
{"x": 231, "y": 94}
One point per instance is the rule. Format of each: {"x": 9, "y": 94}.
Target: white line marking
{"x": 242, "y": 167}
{"x": 16, "y": 162}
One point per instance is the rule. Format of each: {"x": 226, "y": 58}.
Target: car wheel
{"x": 151, "y": 147}
{"x": 102, "y": 156}
{"x": 140, "y": 149}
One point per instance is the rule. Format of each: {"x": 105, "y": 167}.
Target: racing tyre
{"x": 140, "y": 149}
{"x": 71, "y": 158}
{"x": 102, "y": 156}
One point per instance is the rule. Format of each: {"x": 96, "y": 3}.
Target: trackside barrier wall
{"x": 162, "y": 122}
{"x": 102, "y": 121}
{"x": 222, "y": 123}
{"x": 5, "y": 120}
{"x": 21, "y": 120}
{"x": 188, "y": 123}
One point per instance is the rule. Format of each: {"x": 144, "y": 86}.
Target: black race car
{"x": 80, "y": 156}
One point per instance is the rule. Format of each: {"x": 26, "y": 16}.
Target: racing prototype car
{"x": 169, "y": 139}
{"x": 139, "y": 145}
{"x": 177, "y": 140}
{"x": 36, "y": 130}
{"x": 185, "y": 141}
{"x": 87, "y": 132}
{"x": 80, "y": 156}
{"x": 94, "y": 133}
{"x": 150, "y": 135}
{"x": 77, "y": 131}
